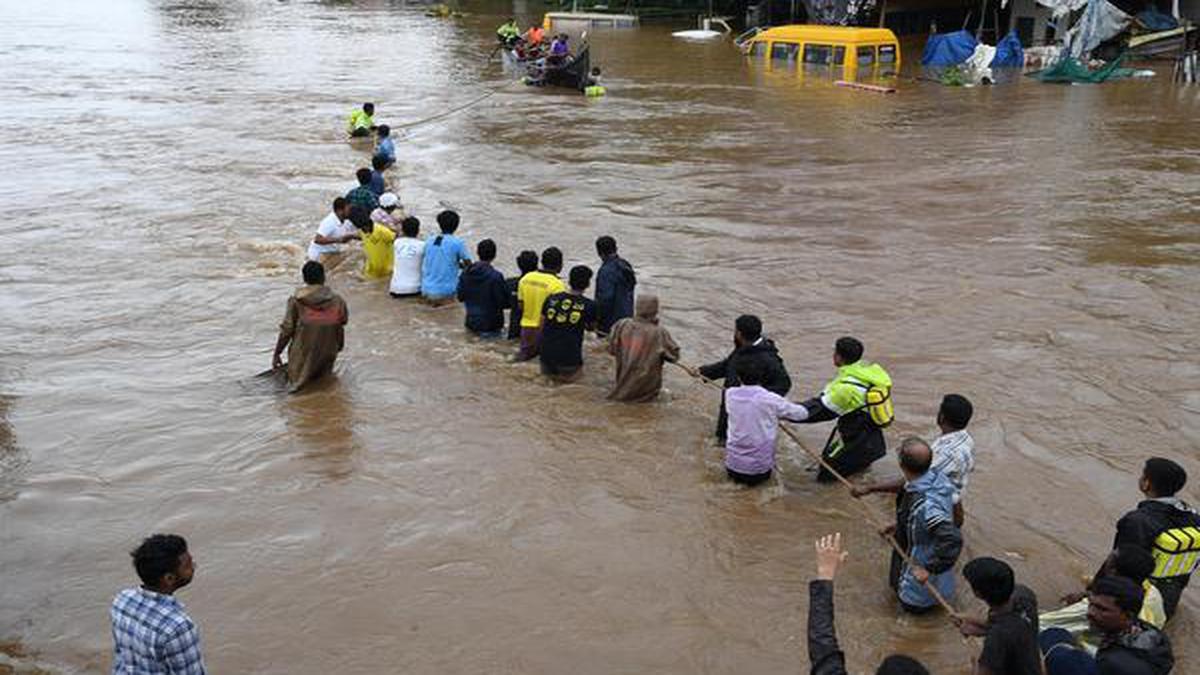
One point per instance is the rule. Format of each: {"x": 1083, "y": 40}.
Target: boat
{"x": 575, "y": 74}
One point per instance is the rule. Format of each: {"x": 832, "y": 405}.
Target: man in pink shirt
{"x": 754, "y": 415}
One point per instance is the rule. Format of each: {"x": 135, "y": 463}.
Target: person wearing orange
{"x": 535, "y": 35}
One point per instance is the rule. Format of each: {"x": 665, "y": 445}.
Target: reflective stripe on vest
{"x": 1176, "y": 552}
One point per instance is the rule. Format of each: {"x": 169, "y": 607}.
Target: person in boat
{"x": 362, "y": 122}
{"x": 312, "y": 330}
{"x": 560, "y": 51}
{"x": 508, "y": 32}
{"x": 858, "y": 397}
{"x": 748, "y": 341}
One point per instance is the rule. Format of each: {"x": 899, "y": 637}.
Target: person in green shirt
{"x": 856, "y": 441}
{"x": 362, "y": 122}
{"x": 508, "y": 32}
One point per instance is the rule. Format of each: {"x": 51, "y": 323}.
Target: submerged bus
{"x": 845, "y": 50}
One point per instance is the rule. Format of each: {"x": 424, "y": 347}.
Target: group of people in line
{"x": 1114, "y": 626}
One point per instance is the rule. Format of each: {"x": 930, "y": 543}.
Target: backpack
{"x": 877, "y": 401}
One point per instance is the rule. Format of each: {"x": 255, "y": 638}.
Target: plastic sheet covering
{"x": 1061, "y": 8}
{"x": 1155, "y": 20}
{"x": 975, "y": 68}
{"x": 1009, "y": 53}
{"x": 1100, "y": 21}
{"x": 1070, "y": 70}
{"x": 836, "y": 12}
{"x": 948, "y": 49}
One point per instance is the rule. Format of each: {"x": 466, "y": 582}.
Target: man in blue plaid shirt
{"x": 152, "y": 633}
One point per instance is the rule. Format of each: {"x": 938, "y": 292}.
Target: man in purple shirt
{"x": 754, "y": 415}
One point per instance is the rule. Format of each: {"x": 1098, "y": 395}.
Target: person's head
{"x": 384, "y": 131}
{"x": 363, "y": 175}
{"x": 746, "y": 330}
{"x": 606, "y": 246}
{"x": 1162, "y": 478}
{"x": 552, "y": 260}
{"x": 596, "y": 71}
{"x": 369, "y": 108}
{"x": 447, "y": 221}
{"x": 410, "y": 226}
{"x": 748, "y": 370}
{"x": 341, "y": 208}
{"x": 527, "y": 262}
{"x": 991, "y": 580}
{"x": 314, "y": 273}
{"x": 1131, "y": 562}
{"x": 486, "y": 250}
{"x": 847, "y": 350}
{"x": 360, "y": 217}
{"x": 899, "y": 664}
{"x": 511, "y": 20}
{"x": 646, "y": 307}
{"x": 580, "y": 278}
{"x": 388, "y": 201}
{"x": 162, "y": 561}
{"x": 1113, "y": 604}
{"x": 379, "y": 162}
{"x": 915, "y": 457}
{"x": 955, "y": 412}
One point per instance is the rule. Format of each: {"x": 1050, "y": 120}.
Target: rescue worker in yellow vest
{"x": 1166, "y": 527}
{"x": 859, "y": 398}
{"x": 361, "y": 122}
{"x": 508, "y": 32}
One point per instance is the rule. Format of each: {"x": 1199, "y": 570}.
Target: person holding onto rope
{"x": 953, "y": 453}
{"x": 362, "y": 195}
{"x": 385, "y": 148}
{"x": 527, "y": 261}
{"x": 615, "y": 282}
{"x": 377, "y": 240}
{"x": 748, "y": 342}
{"x": 859, "y": 398}
{"x": 508, "y": 32}
{"x": 1128, "y": 646}
{"x": 532, "y": 291}
{"x": 361, "y": 122}
{"x": 1166, "y": 527}
{"x": 408, "y": 252}
{"x": 312, "y": 330}
{"x": 483, "y": 293}
{"x": 640, "y": 347}
{"x": 378, "y": 184}
{"x": 754, "y": 415}
{"x": 565, "y": 318}
{"x": 445, "y": 257}
{"x": 1010, "y": 645}
{"x": 925, "y": 530}
{"x": 334, "y": 229}
{"x": 824, "y": 654}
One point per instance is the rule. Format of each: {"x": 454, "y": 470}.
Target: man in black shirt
{"x": 748, "y": 343}
{"x": 565, "y": 317}
{"x": 1010, "y": 634}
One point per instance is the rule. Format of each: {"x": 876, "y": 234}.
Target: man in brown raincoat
{"x": 641, "y": 346}
{"x": 312, "y": 330}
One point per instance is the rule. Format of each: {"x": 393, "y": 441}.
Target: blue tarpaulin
{"x": 1009, "y": 53}
{"x": 948, "y": 49}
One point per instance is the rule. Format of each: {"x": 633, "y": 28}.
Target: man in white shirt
{"x": 953, "y": 453}
{"x": 333, "y": 230}
{"x": 408, "y": 252}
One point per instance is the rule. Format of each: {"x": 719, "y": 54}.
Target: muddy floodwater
{"x": 438, "y": 509}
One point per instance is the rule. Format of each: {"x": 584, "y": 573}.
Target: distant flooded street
{"x": 437, "y": 509}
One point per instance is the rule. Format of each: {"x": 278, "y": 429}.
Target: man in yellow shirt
{"x": 361, "y": 122}
{"x": 532, "y": 292}
{"x": 377, "y": 244}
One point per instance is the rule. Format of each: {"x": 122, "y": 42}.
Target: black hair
{"x": 913, "y": 461}
{"x": 314, "y": 273}
{"x": 1133, "y": 562}
{"x": 850, "y": 349}
{"x": 448, "y": 221}
{"x": 991, "y": 579}
{"x": 363, "y": 175}
{"x": 360, "y": 217}
{"x": 369, "y": 107}
{"x": 606, "y": 246}
{"x": 486, "y": 250}
{"x": 748, "y": 370}
{"x": 527, "y": 261}
{"x": 552, "y": 259}
{"x": 158, "y": 555}
{"x": 899, "y": 664}
{"x": 580, "y": 277}
{"x": 1127, "y": 593}
{"x": 379, "y": 162}
{"x": 339, "y": 203}
{"x": 956, "y": 410}
{"x": 749, "y": 326}
{"x": 1166, "y": 477}
{"x": 384, "y": 130}
{"x": 410, "y": 226}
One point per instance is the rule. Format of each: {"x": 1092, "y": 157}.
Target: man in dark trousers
{"x": 748, "y": 342}
{"x": 1166, "y": 527}
{"x": 614, "y": 286}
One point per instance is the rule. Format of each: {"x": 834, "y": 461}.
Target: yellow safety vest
{"x": 1176, "y": 552}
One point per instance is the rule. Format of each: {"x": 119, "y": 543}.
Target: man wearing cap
{"x": 390, "y": 213}
{"x": 1129, "y": 646}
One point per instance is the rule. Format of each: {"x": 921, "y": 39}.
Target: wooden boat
{"x": 574, "y": 74}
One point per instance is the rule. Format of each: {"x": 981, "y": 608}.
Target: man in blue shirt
{"x": 377, "y": 185}
{"x": 445, "y": 256}
{"x": 386, "y": 148}
{"x": 152, "y": 633}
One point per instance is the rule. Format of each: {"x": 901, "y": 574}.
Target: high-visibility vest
{"x": 1176, "y": 552}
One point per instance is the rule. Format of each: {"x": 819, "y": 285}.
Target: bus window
{"x": 887, "y": 53}
{"x": 784, "y": 51}
{"x": 866, "y": 56}
{"x": 818, "y": 54}
{"x": 839, "y": 56}
{"x": 758, "y": 49}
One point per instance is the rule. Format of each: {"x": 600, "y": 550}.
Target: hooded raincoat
{"x": 640, "y": 346}
{"x": 314, "y": 325}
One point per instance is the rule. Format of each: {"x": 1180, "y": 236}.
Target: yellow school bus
{"x": 845, "y": 50}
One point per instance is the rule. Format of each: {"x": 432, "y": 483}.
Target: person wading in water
{"x": 313, "y": 330}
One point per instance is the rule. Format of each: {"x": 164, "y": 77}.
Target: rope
{"x": 468, "y": 104}
{"x": 870, "y": 513}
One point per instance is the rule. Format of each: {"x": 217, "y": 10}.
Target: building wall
{"x": 1032, "y": 21}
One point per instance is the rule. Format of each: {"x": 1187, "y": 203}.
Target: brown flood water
{"x": 436, "y": 509}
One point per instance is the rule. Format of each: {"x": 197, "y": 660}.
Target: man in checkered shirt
{"x": 152, "y": 633}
